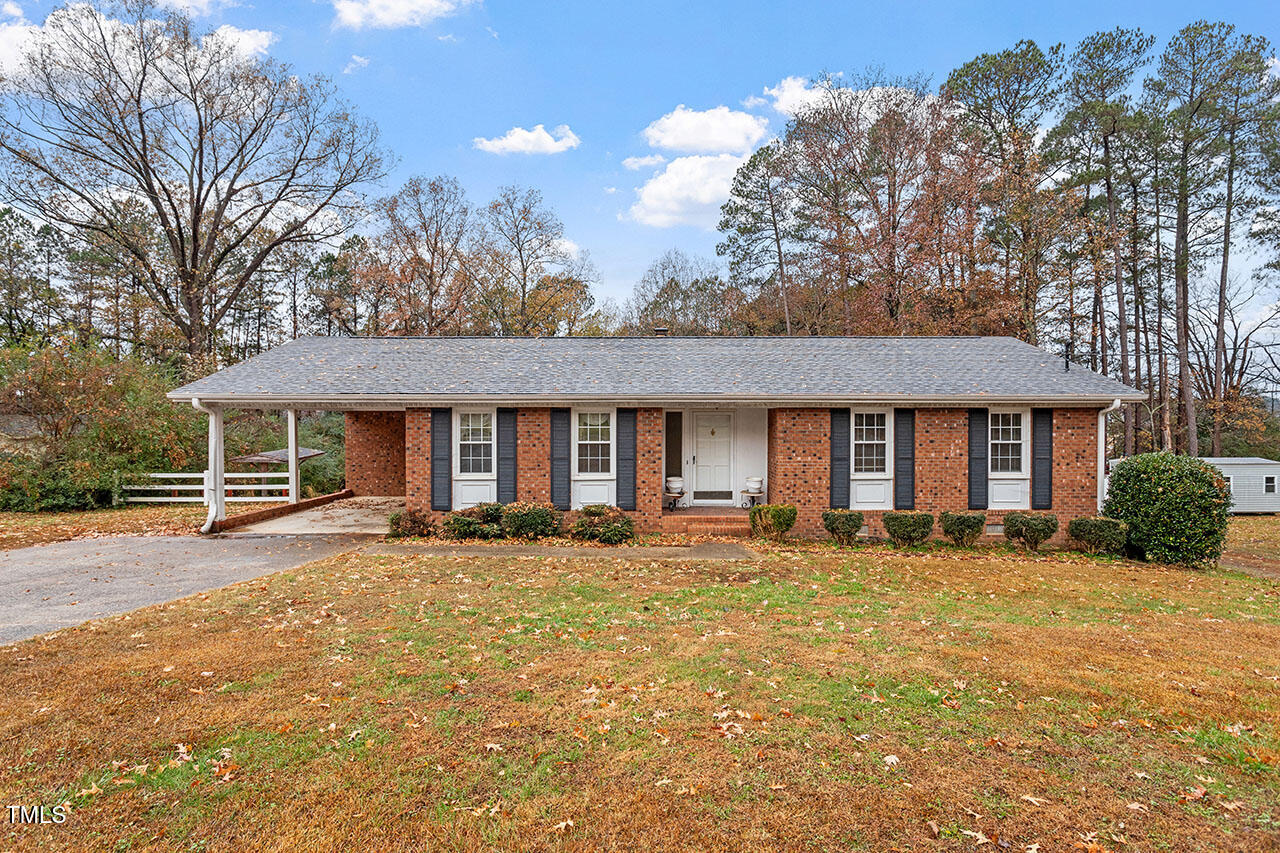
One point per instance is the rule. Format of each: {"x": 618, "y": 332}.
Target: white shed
{"x": 1254, "y": 482}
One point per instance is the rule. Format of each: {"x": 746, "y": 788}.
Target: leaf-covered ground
{"x": 1253, "y": 544}
{"x": 815, "y": 700}
{"x": 21, "y": 529}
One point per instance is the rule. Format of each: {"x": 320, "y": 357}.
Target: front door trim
{"x": 693, "y": 468}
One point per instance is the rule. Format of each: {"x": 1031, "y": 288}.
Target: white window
{"x": 594, "y": 446}
{"x": 1269, "y": 485}
{"x": 1230, "y": 486}
{"x": 475, "y": 444}
{"x": 1008, "y": 443}
{"x": 870, "y": 443}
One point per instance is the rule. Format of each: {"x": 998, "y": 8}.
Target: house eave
{"x": 393, "y": 402}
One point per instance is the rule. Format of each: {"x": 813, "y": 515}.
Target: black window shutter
{"x": 840, "y": 458}
{"x": 904, "y": 458}
{"x": 506, "y": 456}
{"x": 560, "y": 492}
{"x": 442, "y": 459}
{"x": 978, "y": 458}
{"x": 1042, "y": 458}
{"x": 626, "y": 450}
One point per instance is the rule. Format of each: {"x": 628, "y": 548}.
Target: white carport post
{"x": 292, "y": 421}
{"x": 215, "y": 475}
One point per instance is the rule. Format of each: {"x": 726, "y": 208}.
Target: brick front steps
{"x": 708, "y": 521}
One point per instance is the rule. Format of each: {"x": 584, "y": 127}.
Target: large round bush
{"x": 1175, "y": 506}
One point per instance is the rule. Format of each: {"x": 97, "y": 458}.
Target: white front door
{"x": 712, "y": 457}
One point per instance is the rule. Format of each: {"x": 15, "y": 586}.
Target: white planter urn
{"x": 675, "y": 485}
{"x": 755, "y": 484}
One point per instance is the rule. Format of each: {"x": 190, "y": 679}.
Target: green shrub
{"x": 1176, "y": 507}
{"x": 963, "y": 528}
{"x": 843, "y": 525}
{"x": 482, "y": 521}
{"x": 526, "y": 520}
{"x": 1030, "y": 529}
{"x": 772, "y": 521}
{"x": 602, "y": 523}
{"x": 411, "y": 523}
{"x": 908, "y": 527}
{"x": 1099, "y": 534}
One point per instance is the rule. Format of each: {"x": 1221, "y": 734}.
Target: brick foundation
{"x": 375, "y": 453}
{"x": 416, "y": 446}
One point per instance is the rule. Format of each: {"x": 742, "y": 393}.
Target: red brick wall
{"x": 1075, "y": 464}
{"x": 533, "y": 461}
{"x": 650, "y": 437}
{"x": 942, "y": 466}
{"x": 533, "y": 454}
{"x": 417, "y": 459}
{"x": 375, "y": 453}
{"x": 800, "y": 464}
{"x": 942, "y": 459}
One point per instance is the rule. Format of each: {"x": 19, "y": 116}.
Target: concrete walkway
{"x": 705, "y": 551}
{"x": 366, "y": 515}
{"x": 61, "y": 584}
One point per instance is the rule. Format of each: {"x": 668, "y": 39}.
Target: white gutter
{"x": 1102, "y": 451}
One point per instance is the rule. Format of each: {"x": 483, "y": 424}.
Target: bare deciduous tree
{"x": 231, "y": 156}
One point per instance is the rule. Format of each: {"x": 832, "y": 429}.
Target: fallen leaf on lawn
{"x": 890, "y": 760}
{"x": 777, "y": 786}
{"x": 493, "y": 747}
{"x": 563, "y": 826}
{"x": 1191, "y": 794}
{"x": 1233, "y": 805}
{"x": 90, "y": 791}
{"x": 1035, "y": 801}
{"x": 978, "y": 838}
{"x": 1139, "y": 807}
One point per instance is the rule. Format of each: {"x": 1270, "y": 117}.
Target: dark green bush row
{"x": 482, "y": 521}
{"x": 772, "y": 521}
{"x": 411, "y": 522}
{"x": 1099, "y": 534}
{"x": 527, "y": 520}
{"x": 1030, "y": 529}
{"x": 908, "y": 527}
{"x": 1176, "y": 507}
{"x": 843, "y": 525}
{"x": 603, "y": 523}
{"x": 963, "y": 528}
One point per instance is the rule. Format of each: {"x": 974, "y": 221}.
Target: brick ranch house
{"x": 870, "y": 423}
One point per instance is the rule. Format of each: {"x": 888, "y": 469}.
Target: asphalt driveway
{"x": 47, "y": 587}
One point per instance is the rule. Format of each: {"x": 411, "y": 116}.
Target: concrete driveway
{"x": 47, "y": 587}
{"x": 365, "y": 515}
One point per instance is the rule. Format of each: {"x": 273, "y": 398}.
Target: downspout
{"x": 213, "y": 502}
{"x": 1102, "y": 451}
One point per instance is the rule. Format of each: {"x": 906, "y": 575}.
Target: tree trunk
{"x": 1220, "y": 337}
{"x": 1126, "y": 411}
{"x": 1181, "y": 288}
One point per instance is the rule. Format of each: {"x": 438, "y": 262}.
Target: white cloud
{"x": 634, "y": 163}
{"x": 448, "y": 38}
{"x": 570, "y": 248}
{"x": 689, "y": 191}
{"x": 791, "y": 95}
{"x": 716, "y": 129}
{"x": 356, "y": 63}
{"x": 388, "y": 14}
{"x": 517, "y": 140}
{"x": 491, "y": 31}
{"x": 11, "y": 10}
{"x": 15, "y": 38}
{"x": 610, "y": 190}
{"x": 247, "y": 42}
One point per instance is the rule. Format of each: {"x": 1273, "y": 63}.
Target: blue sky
{"x": 436, "y": 75}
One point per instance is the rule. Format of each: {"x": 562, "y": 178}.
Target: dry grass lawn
{"x": 816, "y": 700}
{"x": 1253, "y": 543}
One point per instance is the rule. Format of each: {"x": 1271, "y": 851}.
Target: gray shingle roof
{"x": 421, "y": 370}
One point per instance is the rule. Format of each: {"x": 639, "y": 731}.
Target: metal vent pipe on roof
{"x": 660, "y": 331}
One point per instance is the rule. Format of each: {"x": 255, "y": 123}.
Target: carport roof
{"x": 397, "y": 372}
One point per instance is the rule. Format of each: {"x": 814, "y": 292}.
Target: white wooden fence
{"x": 194, "y": 488}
